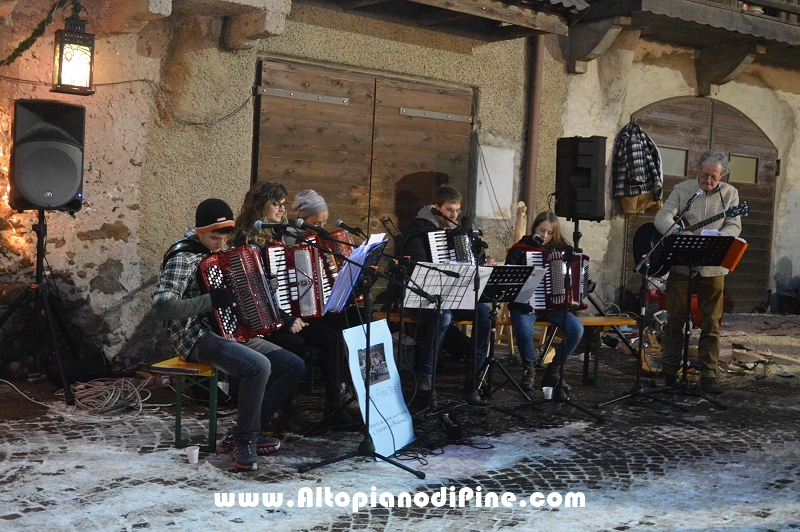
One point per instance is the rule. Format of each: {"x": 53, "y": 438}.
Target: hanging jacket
{"x": 636, "y": 164}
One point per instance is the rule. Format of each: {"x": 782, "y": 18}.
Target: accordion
{"x": 340, "y": 243}
{"x": 241, "y": 271}
{"x": 551, "y": 293}
{"x": 303, "y": 286}
{"x": 450, "y": 246}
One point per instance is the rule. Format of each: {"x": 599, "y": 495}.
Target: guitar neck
{"x": 705, "y": 222}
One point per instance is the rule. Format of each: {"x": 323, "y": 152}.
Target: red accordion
{"x": 301, "y": 279}
{"x": 551, "y": 293}
{"x": 241, "y": 271}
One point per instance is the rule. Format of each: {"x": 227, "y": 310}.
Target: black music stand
{"x": 692, "y": 251}
{"x": 643, "y": 267}
{"x": 503, "y": 286}
{"x": 367, "y": 276}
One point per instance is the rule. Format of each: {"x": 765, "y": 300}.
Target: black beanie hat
{"x": 212, "y": 215}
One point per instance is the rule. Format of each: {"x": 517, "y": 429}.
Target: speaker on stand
{"x": 46, "y": 173}
{"x": 581, "y": 178}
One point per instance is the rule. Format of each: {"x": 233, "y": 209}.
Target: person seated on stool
{"x": 447, "y": 200}
{"x": 269, "y": 374}
{"x": 266, "y": 201}
{"x": 545, "y": 233}
{"x": 715, "y": 197}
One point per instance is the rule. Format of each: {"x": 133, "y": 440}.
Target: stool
{"x": 201, "y": 375}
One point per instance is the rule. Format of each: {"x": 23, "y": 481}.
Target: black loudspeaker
{"x": 581, "y": 178}
{"x": 47, "y": 156}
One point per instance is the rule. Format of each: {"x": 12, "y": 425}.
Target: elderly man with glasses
{"x": 710, "y": 195}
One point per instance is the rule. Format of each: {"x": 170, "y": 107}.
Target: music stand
{"x": 503, "y": 286}
{"x": 366, "y": 277}
{"x": 692, "y": 251}
{"x": 643, "y": 267}
{"x": 453, "y": 292}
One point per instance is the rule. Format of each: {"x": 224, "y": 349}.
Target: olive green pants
{"x": 709, "y": 300}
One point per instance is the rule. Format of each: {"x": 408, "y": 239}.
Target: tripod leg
{"x": 418, "y": 474}
{"x": 26, "y": 294}
{"x": 70, "y": 398}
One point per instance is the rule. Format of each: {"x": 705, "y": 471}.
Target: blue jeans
{"x": 571, "y": 333}
{"x": 269, "y": 374}
{"x": 428, "y": 316}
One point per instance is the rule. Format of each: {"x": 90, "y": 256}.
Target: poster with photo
{"x": 390, "y": 423}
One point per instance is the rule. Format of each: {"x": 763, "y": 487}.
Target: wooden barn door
{"x": 373, "y": 147}
{"x": 314, "y": 130}
{"x": 422, "y": 140}
{"x": 693, "y": 125}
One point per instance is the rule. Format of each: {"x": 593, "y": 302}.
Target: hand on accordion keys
{"x": 221, "y": 297}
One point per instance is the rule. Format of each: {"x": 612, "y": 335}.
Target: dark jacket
{"x": 416, "y": 244}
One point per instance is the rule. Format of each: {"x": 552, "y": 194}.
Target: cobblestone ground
{"x": 649, "y": 466}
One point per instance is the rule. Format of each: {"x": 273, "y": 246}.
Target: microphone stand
{"x": 474, "y": 396}
{"x": 366, "y": 448}
{"x": 643, "y": 267}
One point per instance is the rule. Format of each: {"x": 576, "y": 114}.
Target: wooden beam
{"x": 349, "y": 5}
{"x": 440, "y": 16}
{"x": 501, "y": 12}
{"x": 587, "y": 41}
{"x": 717, "y": 65}
{"x": 505, "y": 33}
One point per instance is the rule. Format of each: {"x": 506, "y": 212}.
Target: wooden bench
{"x": 195, "y": 374}
{"x": 593, "y": 325}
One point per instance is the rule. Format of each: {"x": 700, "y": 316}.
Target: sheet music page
{"x": 349, "y": 274}
{"x": 529, "y": 288}
{"x": 456, "y": 293}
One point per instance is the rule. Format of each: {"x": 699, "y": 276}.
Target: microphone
{"x": 354, "y": 230}
{"x": 260, "y": 226}
{"x": 694, "y": 197}
{"x": 538, "y": 240}
{"x": 302, "y": 224}
{"x": 437, "y": 212}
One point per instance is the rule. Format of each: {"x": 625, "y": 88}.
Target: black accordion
{"x": 241, "y": 271}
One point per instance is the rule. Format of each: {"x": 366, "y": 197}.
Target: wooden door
{"x": 373, "y": 147}
{"x": 695, "y": 125}
{"x": 314, "y": 130}
{"x": 422, "y": 140}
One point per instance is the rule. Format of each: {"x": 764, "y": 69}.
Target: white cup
{"x": 193, "y": 454}
{"x": 547, "y": 391}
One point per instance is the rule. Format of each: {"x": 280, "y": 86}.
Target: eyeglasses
{"x": 279, "y": 206}
{"x": 452, "y": 211}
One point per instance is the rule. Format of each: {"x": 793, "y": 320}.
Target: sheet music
{"x": 456, "y": 293}
{"x": 528, "y": 291}
{"x": 349, "y": 274}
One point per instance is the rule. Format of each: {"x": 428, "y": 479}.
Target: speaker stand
{"x": 38, "y": 294}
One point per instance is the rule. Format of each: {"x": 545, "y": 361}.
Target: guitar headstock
{"x": 738, "y": 210}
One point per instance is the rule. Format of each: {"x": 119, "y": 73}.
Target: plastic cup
{"x": 547, "y": 391}
{"x": 193, "y": 454}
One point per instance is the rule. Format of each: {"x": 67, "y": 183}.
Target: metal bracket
{"x": 283, "y": 93}
{"x": 422, "y": 113}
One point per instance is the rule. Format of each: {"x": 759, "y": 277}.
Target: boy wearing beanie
{"x": 179, "y": 301}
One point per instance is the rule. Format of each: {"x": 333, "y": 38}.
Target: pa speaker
{"x": 581, "y": 178}
{"x": 47, "y": 156}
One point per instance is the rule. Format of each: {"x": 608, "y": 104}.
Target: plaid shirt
{"x": 636, "y": 164}
{"x": 179, "y": 281}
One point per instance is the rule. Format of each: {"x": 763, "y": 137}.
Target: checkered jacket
{"x": 636, "y": 164}
{"x": 179, "y": 281}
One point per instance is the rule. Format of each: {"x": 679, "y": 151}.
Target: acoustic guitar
{"x": 647, "y": 236}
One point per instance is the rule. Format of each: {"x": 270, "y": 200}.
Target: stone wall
{"x": 171, "y": 124}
